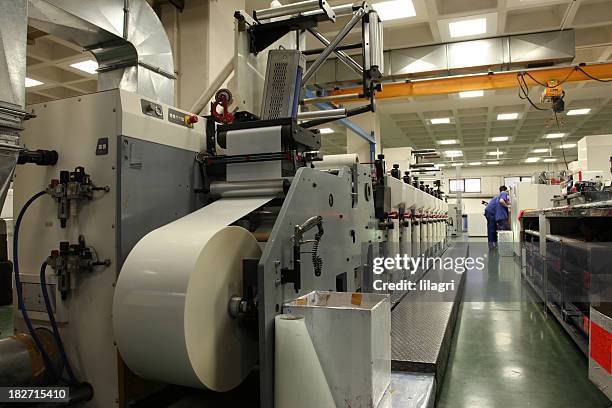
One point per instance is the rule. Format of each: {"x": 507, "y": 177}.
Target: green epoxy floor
{"x": 507, "y": 353}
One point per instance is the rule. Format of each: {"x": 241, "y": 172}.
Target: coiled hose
{"x": 317, "y": 261}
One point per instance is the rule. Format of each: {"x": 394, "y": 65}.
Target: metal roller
{"x": 373, "y": 43}
{"x": 321, "y": 114}
{"x": 257, "y": 188}
{"x": 289, "y": 9}
{"x": 340, "y": 10}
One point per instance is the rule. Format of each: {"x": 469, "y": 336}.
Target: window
{"x": 471, "y": 185}
{"x": 456, "y": 185}
{"x": 511, "y": 181}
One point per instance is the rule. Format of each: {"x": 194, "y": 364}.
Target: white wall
{"x": 490, "y": 179}
{"x": 202, "y": 39}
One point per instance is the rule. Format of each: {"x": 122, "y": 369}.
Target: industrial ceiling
{"x": 406, "y": 122}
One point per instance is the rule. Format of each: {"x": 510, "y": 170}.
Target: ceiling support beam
{"x": 499, "y": 80}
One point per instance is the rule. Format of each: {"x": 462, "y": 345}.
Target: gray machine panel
{"x": 156, "y": 184}
{"x": 309, "y": 196}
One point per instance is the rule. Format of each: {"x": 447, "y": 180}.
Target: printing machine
{"x": 124, "y": 161}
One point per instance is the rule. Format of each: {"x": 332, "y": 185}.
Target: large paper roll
{"x": 170, "y": 309}
{"x": 333, "y": 161}
{"x": 299, "y": 380}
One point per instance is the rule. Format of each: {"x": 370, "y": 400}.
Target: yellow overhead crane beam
{"x": 485, "y": 81}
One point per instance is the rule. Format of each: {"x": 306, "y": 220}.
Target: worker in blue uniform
{"x": 496, "y": 213}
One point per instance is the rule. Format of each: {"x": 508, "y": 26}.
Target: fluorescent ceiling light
{"x": 550, "y": 160}
{"x": 507, "y": 116}
{"x": 468, "y": 27}
{"x": 439, "y": 121}
{"x": 29, "y": 82}
{"x": 554, "y": 135}
{"x": 475, "y": 163}
{"x": 499, "y": 139}
{"x": 495, "y": 153}
{"x": 448, "y": 142}
{"x": 456, "y": 164}
{"x": 453, "y": 153}
{"x": 89, "y": 66}
{"x": 326, "y": 131}
{"x": 493, "y": 162}
{"x": 567, "y": 145}
{"x": 471, "y": 94}
{"x": 532, "y": 160}
{"x": 539, "y": 151}
{"x": 394, "y": 9}
{"x": 574, "y": 112}
{"x": 441, "y": 165}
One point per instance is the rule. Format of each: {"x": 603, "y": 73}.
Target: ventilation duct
{"x": 476, "y": 56}
{"x": 125, "y": 36}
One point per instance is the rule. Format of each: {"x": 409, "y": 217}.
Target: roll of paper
{"x": 170, "y": 309}
{"x": 333, "y": 161}
{"x": 299, "y": 380}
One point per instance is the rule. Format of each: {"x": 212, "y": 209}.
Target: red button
{"x": 192, "y": 119}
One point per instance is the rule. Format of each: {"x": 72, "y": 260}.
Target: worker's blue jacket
{"x": 495, "y": 209}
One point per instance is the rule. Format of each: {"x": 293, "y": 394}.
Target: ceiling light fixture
{"x": 448, "y": 142}
{"x": 439, "y": 121}
{"x": 499, "y": 139}
{"x": 394, "y": 9}
{"x": 453, "y": 153}
{"x": 475, "y": 163}
{"x": 471, "y": 94}
{"x": 29, "y": 82}
{"x": 89, "y": 66}
{"x": 456, "y": 164}
{"x": 540, "y": 150}
{"x": 554, "y": 135}
{"x": 550, "y": 160}
{"x": 326, "y": 131}
{"x": 493, "y": 162}
{"x": 574, "y": 112}
{"x": 495, "y": 153}
{"x": 532, "y": 160}
{"x": 567, "y": 145}
{"x": 507, "y": 116}
{"x": 465, "y": 28}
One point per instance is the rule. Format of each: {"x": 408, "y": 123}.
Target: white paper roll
{"x": 333, "y": 161}
{"x": 170, "y": 309}
{"x": 299, "y": 380}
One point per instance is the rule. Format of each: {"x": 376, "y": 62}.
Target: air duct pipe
{"x": 125, "y": 36}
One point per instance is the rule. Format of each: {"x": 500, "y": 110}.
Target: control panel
{"x": 181, "y": 118}
{"x": 174, "y": 116}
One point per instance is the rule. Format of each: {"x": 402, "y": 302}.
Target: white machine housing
{"x": 114, "y": 136}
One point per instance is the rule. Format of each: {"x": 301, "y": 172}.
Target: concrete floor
{"x": 507, "y": 353}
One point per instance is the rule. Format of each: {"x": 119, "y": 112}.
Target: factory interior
{"x": 306, "y": 203}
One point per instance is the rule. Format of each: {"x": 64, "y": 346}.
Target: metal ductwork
{"x": 126, "y": 37}
{"x": 13, "y": 36}
{"x": 474, "y": 56}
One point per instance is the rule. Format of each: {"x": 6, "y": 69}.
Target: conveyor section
{"x": 422, "y": 324}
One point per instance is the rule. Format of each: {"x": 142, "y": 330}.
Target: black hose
{"x": 20, "y": 304}
{"x": 56, "y": 334}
